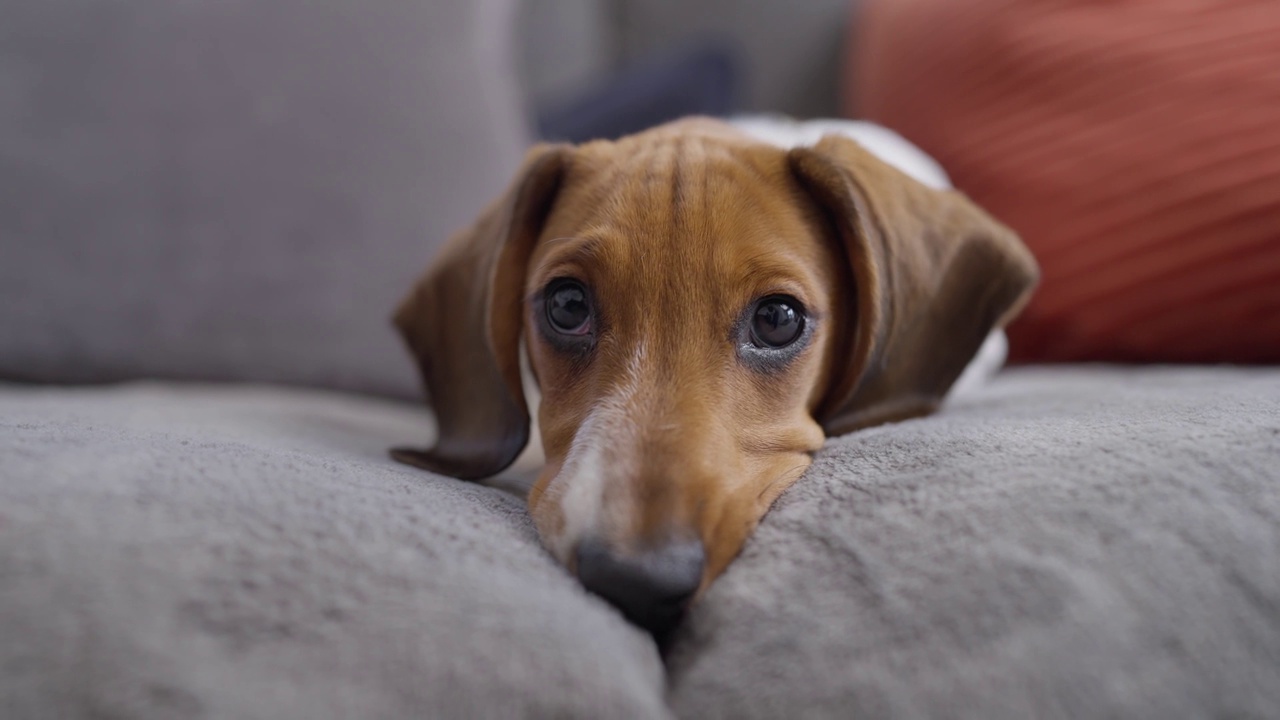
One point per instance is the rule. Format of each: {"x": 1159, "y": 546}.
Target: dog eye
{"x": 568, "y": 310}
{"x": 776, "y": 322}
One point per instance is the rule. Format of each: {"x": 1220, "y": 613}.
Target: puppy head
{"x": 700, "y": 310}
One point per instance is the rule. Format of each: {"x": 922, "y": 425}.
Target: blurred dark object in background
{"x": 601, "y": 68}
{"x": 1134, "y": 145}
{"x": 698, "y": 81}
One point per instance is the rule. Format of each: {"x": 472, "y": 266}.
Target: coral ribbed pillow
{"x": 1135, "y": 145}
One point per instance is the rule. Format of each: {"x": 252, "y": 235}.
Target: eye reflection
{"x": 776, "y": 322}
{"x": 568, "y": 309}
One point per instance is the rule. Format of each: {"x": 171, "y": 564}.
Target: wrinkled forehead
{"x": 689, "y": 215}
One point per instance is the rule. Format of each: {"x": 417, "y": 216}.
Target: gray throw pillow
{"x": 242, "y": 190}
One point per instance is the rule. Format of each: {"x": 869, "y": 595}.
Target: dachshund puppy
{"x": 700, "y": 309}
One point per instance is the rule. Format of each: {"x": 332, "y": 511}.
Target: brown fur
{"x": 676, "y": 231}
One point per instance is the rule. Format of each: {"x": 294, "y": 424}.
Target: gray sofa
{"x": 237, "y": 192}
{"x": 1091, "y": 542}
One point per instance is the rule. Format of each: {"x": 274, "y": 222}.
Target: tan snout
{"x": 648, "y": 507}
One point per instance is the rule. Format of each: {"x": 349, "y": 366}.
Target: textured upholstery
{"x": 1135, "y": 146}
{"x": 238, "y": 190}
{"x": 1062, "y": 543}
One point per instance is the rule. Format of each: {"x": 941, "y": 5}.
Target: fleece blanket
{"x": 1092, "y": 542}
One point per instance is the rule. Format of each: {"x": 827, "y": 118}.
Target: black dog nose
{"x": 652, "y": 588}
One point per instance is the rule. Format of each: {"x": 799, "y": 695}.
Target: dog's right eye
{"x": 568, "y": 308}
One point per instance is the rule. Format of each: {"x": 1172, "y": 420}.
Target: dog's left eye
{"x": 568, "y": 309}
{"x": 776, "y": 322}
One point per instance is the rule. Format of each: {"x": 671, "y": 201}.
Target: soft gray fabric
{"x": 239, "y": 190}
{"x": 187, "y": 552}
{"x": 1068, "y": 543}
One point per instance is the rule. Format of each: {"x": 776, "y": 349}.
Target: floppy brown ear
{"x": 933, "y": 275}
{"x": 462, "y": 323}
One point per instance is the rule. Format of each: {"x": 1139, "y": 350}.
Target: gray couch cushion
{"x": 183, "y": 552}
{"x": 238, "y": 190}
{"x": 1068, "y": 543}
{"x": 1065, "y": 543}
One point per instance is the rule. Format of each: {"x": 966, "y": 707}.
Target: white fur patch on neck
{"x": 885, "y": 144}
